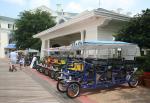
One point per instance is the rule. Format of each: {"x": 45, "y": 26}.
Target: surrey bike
{"x": 104, "y": 64}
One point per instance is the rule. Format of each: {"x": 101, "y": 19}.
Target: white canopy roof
{"x": 62, "y": 48}
{"x": 103, "y": 44}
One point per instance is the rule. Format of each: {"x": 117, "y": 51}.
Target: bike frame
{"x": 83, "y": 79}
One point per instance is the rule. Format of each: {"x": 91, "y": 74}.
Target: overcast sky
{"x": 11, "y": 8}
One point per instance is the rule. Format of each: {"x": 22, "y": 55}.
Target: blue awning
{"x": 11, "y": 46}
{"x": 105, "y": 42}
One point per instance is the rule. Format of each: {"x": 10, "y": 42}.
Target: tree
{"x": 29, "y": 24}
{"x": 137, "y": 30}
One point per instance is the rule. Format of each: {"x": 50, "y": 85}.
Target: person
{"x": 22, "y": 62}
{"x": 27, "y": 63}
{"x": 13, "y": 60}
{"x": 33, "y": 61}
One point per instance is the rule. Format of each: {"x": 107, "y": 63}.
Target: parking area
{"x": 118, "y": 94}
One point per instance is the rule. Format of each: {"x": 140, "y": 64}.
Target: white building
{"x": 6, "y": 27}
{"x": 59, "y": 15}
{"x": 98, "y": 24}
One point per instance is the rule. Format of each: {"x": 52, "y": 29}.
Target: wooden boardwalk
{"x": 18, "y": 87}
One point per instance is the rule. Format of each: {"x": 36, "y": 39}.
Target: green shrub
{"x": 140, "y": 61}
{"x": 143, "y": 62}
{"x": 147, "y": 63}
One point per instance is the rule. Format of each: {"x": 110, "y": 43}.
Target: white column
{"x": 83, "y": 35}
{"x": 49, "y": 46}
{"x": 4, "y": 42}
{"x": 92, "y": 33}
{"x": 42, "y": 49}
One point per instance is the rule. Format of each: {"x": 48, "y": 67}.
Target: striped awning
{"x": 11, "y": 46}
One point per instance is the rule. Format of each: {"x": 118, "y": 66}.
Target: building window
{"x": 10, "y": 26}
{"x": 11, "y": 38}
{"x": 13, "y": 27}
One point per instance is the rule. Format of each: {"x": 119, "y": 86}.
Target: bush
{"x": 140, "y": 61}
{"x": 143, "y": 62}
{"x": 147, "y": 63}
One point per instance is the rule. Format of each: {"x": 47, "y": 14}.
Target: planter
{"x": 146, "y": 75}
{"x": 141, "y": 80}
{"x": 144, "y": 79}
{"x": 147, "y": 83}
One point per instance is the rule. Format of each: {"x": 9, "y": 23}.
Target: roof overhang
{"x": 84, "y": 16}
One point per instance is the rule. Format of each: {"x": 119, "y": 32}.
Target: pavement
{"x": 30, "y": 86}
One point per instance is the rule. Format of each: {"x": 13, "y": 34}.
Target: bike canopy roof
{"x": 56, "y": 49}
{"x": 93, "y": 45}
{"x": 89, "y": 45}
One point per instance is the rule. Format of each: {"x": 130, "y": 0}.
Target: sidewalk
{"x": 18, "y": 87}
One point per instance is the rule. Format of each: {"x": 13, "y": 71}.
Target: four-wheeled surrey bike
{"x": 93, "y": 64}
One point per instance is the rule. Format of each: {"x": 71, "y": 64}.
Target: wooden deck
{"x": 18, "y": 87}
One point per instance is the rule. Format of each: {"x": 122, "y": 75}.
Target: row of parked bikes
{"x": 74, "y": 73}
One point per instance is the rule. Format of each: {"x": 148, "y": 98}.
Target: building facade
{"x": 98, "y": 24}
{"x": 59, "y": 15}
{"x": 6, "y": 28}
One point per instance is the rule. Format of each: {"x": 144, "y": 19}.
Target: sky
{"x": 12, "y": 8}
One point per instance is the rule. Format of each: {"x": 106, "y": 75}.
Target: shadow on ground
{"x": 104, "y": 90}
{"x": 118, "y": 94}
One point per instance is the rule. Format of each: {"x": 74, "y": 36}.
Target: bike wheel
{"x": 133, "y": 81}
{"x": 52, "y": 74}
{"x": 46, "y": 72}
{"x": 40, "y": 69}
{"x": 57, "y": 74}
{"x": 73, "y": 90}
{"x": 37, "y": 68}
{"x": 49, "y": 73}
{"x": 43, "y": 70}
{"x": 61, "y": 87}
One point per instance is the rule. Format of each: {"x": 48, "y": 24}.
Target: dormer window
{"x": 13, "y": 27}
{"x": 10, "y": 26}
